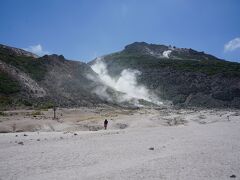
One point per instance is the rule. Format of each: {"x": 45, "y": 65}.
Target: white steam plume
{"x": 167, "y": 53}
{"x": 126, "y": 83}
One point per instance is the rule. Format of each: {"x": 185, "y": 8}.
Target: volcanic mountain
{"x": 29, "y": 80}
{"x": 184, "y": 77}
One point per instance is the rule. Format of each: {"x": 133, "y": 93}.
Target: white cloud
{"x": 37, "y": 49}
{"x": 232, "y": 45}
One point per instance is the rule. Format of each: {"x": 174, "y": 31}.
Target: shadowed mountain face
{"x": 28, "y": 80}
{"x": 146, "y": 72}
{"x": 184, "y": 76}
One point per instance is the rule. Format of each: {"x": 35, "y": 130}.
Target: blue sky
{"x": 84, "y": 29}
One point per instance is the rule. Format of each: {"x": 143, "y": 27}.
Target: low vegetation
{"x": 2, "y": 113}
{"x": 45, "y": 105}
{"x": 209, "y": 67}
{"x": 8, "y": 85}
{"x": 36, "y": 113}
{"x": 34, "y": 67}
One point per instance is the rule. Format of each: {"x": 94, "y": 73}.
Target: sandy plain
{"x": 145, "y": 143}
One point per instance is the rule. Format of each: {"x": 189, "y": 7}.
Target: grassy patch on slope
{"x": 8, "y": 85}
{"x": 32, "y": 66}
{"x": 209, "y": 67}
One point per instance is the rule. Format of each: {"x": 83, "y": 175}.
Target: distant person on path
{"x": 105, "y": 124}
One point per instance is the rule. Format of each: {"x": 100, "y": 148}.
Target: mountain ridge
{"x": 187, "y": 78}
{"x": 184, "y": 76}
{"x": 45, "y": 81}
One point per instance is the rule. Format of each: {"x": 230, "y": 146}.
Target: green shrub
{"x": 36, "y": 113}
{"x": 26, "y": 103}
{"x": 8, "y": 85}
{"x": 2, "y": 113}
{"x": 45, "y": 105}
{"x": 5, "y": 101}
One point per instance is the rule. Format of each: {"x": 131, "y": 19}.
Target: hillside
{"x": 28, "y": 80}
{"x": 154, "y": 74}
{"x": 184, "y": 76}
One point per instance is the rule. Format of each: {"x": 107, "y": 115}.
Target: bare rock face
{"x": 17, "y": 51}
{"x": 47, "y": 80}
{"x": 26, "y": 82}
{"x": 67, "y": 81}
{"x": 147, "y": 49}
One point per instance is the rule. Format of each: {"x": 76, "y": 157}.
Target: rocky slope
{"x": 16, "y": 51}
{"x": 32, "y": 81}
{"x": 184, "y": 76}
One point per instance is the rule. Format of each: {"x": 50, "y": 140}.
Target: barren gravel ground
{"x": 139, "y": 144}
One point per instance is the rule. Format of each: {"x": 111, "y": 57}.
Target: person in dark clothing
{"x": 105, "y": 124}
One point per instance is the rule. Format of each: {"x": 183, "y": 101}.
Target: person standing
{"x": 105, "y": 124}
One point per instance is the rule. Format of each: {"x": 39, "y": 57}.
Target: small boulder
{"x": 151, "y": 148}
{"x": 233, "y": 176}
{"x": 21, "y": 143}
